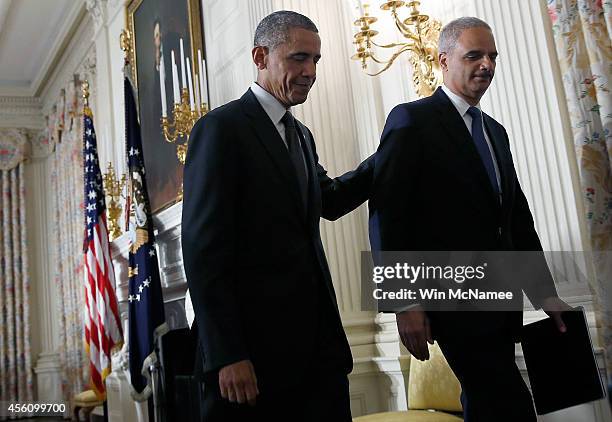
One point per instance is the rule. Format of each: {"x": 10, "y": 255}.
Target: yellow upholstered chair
{"x": 86, "y": 401}
{"x": 432, "y": 390}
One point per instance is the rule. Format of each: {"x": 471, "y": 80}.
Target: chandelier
{"x": 421, "y": 34}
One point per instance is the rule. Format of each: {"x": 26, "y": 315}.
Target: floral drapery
{"x": 16, "y": 363}
{"x": 582, "y": 30}
{"x": 64, "y": 130}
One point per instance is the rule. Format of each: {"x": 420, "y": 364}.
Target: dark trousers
{"x": 323, "y": 396}
{"x": 492, "y": 386}
{"x": 320, "y": 394}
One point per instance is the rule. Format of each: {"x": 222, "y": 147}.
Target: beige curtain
{"x": 582, "y": 30}
{"x": 15, "y": 353}
{"x": 65, "y": 129}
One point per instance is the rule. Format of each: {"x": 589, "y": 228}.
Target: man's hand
{"x": 553, "y": 306}
{"x": 238, "y": 382}
{"x": 414, "y": 330}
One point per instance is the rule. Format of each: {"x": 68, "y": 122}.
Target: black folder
{"x": 561, "y": 366}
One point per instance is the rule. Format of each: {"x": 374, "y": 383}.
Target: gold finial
{"x": 125, "y": 41}
{"x": 85, "y": 90}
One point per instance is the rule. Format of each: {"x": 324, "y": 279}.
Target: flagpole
{"x": 154, "y": 369}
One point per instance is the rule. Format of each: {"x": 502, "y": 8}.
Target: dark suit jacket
{"x": 431, "y": 193}
{"x": 253, "y": 255}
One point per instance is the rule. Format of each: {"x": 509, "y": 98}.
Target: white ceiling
{"x": 32, "y": 35}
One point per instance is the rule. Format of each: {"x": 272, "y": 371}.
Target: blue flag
{"x": 145, "y": 302}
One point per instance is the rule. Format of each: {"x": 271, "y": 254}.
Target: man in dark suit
{"x": 444, "y": 181}
{"x": 266, "y": 313}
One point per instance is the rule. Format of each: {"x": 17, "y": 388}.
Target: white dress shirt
{"x": 462, "y": 107}
{"x": 276, "y": 111}
{"x": 273, "y": 108}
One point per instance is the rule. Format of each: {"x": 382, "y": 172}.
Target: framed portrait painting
{"x": 156, "y": 27}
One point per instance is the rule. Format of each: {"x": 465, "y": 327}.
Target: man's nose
{"x": 310, "y": 69}
{"x": 486, "y": 63}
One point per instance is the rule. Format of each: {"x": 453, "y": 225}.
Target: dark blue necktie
{"x": 296, "y": 154}
{"x": 482, "y": 146}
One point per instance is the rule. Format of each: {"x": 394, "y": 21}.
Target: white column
{"x": 44, "y": 292}
{"x": 26, "y": 113}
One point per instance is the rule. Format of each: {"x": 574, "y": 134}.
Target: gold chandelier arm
{"x": 405, "y": 47}
{"x": 392, "y": 45}
{"x": 389, "y": 62}
{"x": 169, "y": 130}
{"x": 387, "y": 66}
{"x": 376, "y": 60}
{"x": 403, "y": 28}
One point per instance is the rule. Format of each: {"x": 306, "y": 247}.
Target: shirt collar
{"x": 273, "y": 108}
{"x": 460, "y": 104}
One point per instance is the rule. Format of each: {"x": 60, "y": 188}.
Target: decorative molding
{"x": 23, "y": 103}
{"x": 23, "y": 112}
{"x": 87, "y": 71}
{"x": 113, "y": 9}
{"x": 42, "y": 145}
{"x": 48, "y": 378}
{"x": 378, "y": 384}
{"x": 97, "y": 10}
{"x": 78, "y": 57}
{"x": 14, "y": 148}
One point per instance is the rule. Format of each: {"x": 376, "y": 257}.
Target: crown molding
{"x": 75, "y": 17}
{"x": 24, "y": 112}
{"x": 78, "y": 58}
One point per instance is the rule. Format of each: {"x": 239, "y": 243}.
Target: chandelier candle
{"x": 175, "y": 83}
{"x": 190, "y": 84}
{"x": 183, "y": 80}
{"x": 162, "y": 87}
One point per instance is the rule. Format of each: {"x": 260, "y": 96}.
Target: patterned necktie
{"x": 482, "y": 146}
{"x": 296, "y": 154}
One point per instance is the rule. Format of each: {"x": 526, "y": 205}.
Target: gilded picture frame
{"x": 155, "y": 28}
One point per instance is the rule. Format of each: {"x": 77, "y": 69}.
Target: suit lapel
{"x": 464, "y": 144}
{"x": 272, "y": 142}
{"x": 502, "y": 153}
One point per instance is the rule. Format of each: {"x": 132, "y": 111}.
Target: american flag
{"x": 102, "y": 323}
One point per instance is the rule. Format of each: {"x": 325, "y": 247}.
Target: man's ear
{"x": 442, "y": 58}
{"x": 260, "y": 55}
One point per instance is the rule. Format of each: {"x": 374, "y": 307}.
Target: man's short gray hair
{"x": 452, "y": 31}
{"x": 273, "y": 30}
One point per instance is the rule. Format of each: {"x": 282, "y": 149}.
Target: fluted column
{"x": 26, "y": 114}
{"x": 45, "y": 329}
